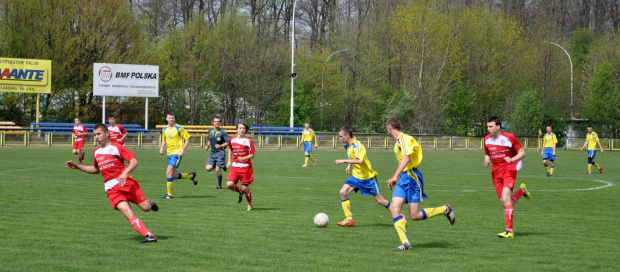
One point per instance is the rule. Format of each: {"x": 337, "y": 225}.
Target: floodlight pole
{"x": 293, "y": 63}
{"x": 571, "y": 76}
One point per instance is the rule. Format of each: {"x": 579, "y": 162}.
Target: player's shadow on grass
{"x": 264, "y": 209}
{"x": 437, "y": 244}
{"x": 159, "y": 239}
{"x": 194, "y": 196}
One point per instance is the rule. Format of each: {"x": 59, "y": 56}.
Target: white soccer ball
{"x": 321, "y": 220}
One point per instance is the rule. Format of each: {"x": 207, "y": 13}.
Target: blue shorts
{"x": 366, "y": 186}
{"x": 591, "y": 154}
{"x": 307, "y": 146}
{"x": 548, "y": 154}
{"x": 175, "y": 160}
{"x": 410, "y": 186}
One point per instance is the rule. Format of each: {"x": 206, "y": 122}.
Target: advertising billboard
{"x": 111, "y": 79}
{"x": 25, "y": 75}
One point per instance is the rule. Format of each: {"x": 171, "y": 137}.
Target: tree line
{"x": 444, "y": 66}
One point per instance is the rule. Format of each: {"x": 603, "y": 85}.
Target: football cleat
{"x": 218, "y": 187}
{"x": 148, "y": 239}
{"x": 154, "y": 206}
{"x": 346, "y": 223}
{"x": 250, "y": 208}
{"x": 526, "y": 193}
{"x": 194, "y": 180}
{"x": 314, "y": 162}
{"x": 450, "y": 214}
{"x": 403, "y": 246}
{"x": 600, "y": 169}
{"x": 506, "y": 234}
{"x": 589, "y": 172}
{"x": 548, "y": 174}
{"x": 167, "y": 196}
{"x": 82, "y": 156}
{"x": 305, "y": 165}
{"x": 240, "y": 198}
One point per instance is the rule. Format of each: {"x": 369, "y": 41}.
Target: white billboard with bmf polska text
{"x": 111, "y": 79}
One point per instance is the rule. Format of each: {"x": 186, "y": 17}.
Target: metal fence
{"x": 326, "y": 141}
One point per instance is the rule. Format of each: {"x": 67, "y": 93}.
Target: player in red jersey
{"x": 117, "y": 132}
{"x": 109, "y": 160}
{"x": 242, "y": 151}
{"x": 505, "y": 151}
{"x": 79, "y": 134}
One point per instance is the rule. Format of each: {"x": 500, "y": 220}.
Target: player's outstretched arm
{"x": 91, "y": 169}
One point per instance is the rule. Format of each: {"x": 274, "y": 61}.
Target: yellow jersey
{"x": 174, "y": 137}
{"x": 407, "y": 146}
{"x": 549, "y": 140}
{"x": 363, "y": 170}
{"x": 592, "y": 139}
{"x": 308, "y": 135}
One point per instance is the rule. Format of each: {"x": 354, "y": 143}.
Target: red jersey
{"x": 506, "y": 145}
{"x": 111, "y": 162}
{"x": 117, "y": 132}
{"x": 241, "y": 147}
{"x": 79, "y": 129}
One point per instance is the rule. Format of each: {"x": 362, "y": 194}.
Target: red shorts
{"x": 78, "y": 145}
{"x": 131, "y": 192}
{"x": 504, "y": 178}
{"x": 243, "y": 174}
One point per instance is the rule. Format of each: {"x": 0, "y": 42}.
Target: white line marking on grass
{"x": 5, "y": 173}
{"x": 605, "y": 185}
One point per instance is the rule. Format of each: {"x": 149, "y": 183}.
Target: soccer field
{"x": 55, "y": 219}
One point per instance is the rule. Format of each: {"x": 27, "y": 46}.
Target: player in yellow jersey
{"x": 306, "y": 139}
{"x": 591, "y": 141}
{"x": 177, "y": 140}
{"x": 548, "y": 152}
{"x": 408, "y": 184}
{"x": 363, "y": 178}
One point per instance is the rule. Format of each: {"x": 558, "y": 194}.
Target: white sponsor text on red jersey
{"x": 506, "y": 145}
{"x": 241, "y": 147}
{"x": 111, "y": 160}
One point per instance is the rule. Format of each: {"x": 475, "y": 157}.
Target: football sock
{"x": 589, "y": 167}
{"x": 306, "y": 161}
{"x": 169, "y": 185}
{"x": 401, "y": 229}
{"x": 346, "y": 207}
{"x": 547, "y": 167}
{"x": 248, "y": 196}
{"x": 311, "y": 158}
{"x": 432, "y": 212}
{"x": 517, "y": 195}
{"x": 596, "y": 164}
{"x": 184, "y": 175}
{"x": 138, "y": 226}
{"x": 508, "y": 215}
{"x": 219, "y": 179}
{"x": 236, "y": 189}
{"x": 80, "y": 157}
{"x": 552, "y": 168}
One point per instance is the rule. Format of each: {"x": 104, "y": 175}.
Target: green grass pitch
{"x": 55, "y": 219}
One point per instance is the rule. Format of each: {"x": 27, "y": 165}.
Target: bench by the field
{"x": 278, "y": 130}
{"x": 196, "y": 130}
{"x": 69, "y": 127}
{"x": 10, "y": 127}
